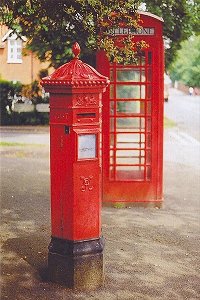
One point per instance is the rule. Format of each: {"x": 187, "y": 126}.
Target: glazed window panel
{"x": 148, "y": 173}
{"x": 148, "y": 140}
{"x": 112, "y": 107}
{"x": 134, "y": 138}
{"x": 149, "y": 107}
{"x": 127, "y": 75}
{"x": 111, "y": 75}
{"x": 130, "y": 161}
{"x": 130, "y": 91}
{"x": 130, "y": 107}
{"x": 148, "y": 124}
{"x": 129, "y": 173}
{"x": 14, "y": 50}
{"x": 112, "y": 91}
{"x": 149, "y": 74}
{"x": 130, "y": 120}
{"x": 149, "y": 58}
{"x": 130, "y": 124}
{"x": 148, "y": 156}
{"x": 112, "y": 124}
{"x": 129, "y": 153}
{"x": 149, "y": 91}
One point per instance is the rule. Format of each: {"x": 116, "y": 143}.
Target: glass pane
{"x": 111, "y": 91}
{"x": 19, "y": 42}
{"x": 111, "y": 153}
{"x": 148, "y": 157}
{"x": 86, "y": 146}
{"x": 112, "y": 141}
{"x": 130, "y": 91}
{"x": 111, "y": 75}
{"x": 149, "y": 91}
{"x": 143, "y": 76}
{"x": 149, "y": 75}
{"x": 112, "y": 124}
{"x": 129, "y": 161}
{"x": 143, "y": 59}
{"x": 111, "y": 108}
{"x": 149, "y": 58}
{"x": 111, "y": 171}
{"x": 128, "y": 75}
{"x": 130, "y": 107}
{"x": 149, "y": 107}
{"x": 148, "y": 173}
{"x": 126, "y": 138}
{"x": 142, "y": 92}
{"x": 129, "y": 173}
{"x": 129, "y": 153}
{"x": 148, "y": 124}
{"x": 148, "y": 141}
{"x": 130, "y": 124}
{"x": 134, "y": 138}
{"x": 111, "y": 160}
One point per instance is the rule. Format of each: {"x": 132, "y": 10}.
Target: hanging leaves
{"x": 120, "y": 49}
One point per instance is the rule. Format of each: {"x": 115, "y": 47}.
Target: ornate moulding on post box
{"x": 76, "y": 74}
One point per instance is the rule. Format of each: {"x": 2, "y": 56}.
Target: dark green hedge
{"x": 8, "y": 117}
{"x": 27, "y": 118}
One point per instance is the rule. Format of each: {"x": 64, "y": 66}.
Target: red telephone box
{"x": 132, "y": 135}
{"x": 76, "y": 249}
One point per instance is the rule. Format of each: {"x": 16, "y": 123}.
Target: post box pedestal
{"x": 77, "y": 265}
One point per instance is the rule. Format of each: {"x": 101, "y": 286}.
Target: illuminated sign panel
{"x": 138, "y": 31}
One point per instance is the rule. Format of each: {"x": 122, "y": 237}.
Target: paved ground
{"x": 150, "y": 253}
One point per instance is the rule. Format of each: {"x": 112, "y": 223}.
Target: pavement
{"x": 149, "y": 254}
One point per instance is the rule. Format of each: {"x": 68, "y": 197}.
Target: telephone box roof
{"x": 146, "y": 13}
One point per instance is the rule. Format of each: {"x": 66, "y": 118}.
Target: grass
{"x": 168, "y": 123}
{"x": 12, "y": 144}
{"x": 119, "y": 205}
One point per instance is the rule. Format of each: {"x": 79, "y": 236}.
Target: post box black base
{"x": 78, "y": 265}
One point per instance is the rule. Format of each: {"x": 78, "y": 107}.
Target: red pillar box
{"x": 76, "y": 249}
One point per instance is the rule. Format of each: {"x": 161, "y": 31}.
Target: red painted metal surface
{"x": 75, "y": 123}
{"x": 132, "y": 135}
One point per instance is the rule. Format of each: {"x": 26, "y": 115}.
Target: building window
{"x": 14, "y": 50}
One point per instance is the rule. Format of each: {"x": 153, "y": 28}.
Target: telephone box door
{"x": 133, "y": 126}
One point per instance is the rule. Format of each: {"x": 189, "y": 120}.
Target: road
{"x": 150, "y": 253}
{"x": 182, "y": 142}
{"x": 185, "y": 111}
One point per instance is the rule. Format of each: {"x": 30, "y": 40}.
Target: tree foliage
{"x": 53, "y": 26}
{"x": 181, "y": 20}
{"x": 186, "y": 68}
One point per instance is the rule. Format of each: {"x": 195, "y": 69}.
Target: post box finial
{"x": 76, "y": 50}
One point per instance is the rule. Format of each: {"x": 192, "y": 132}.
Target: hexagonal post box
{"x": 76, "y": 248}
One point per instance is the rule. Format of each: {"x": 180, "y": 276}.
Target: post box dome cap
{"x": 75, "y": 74}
